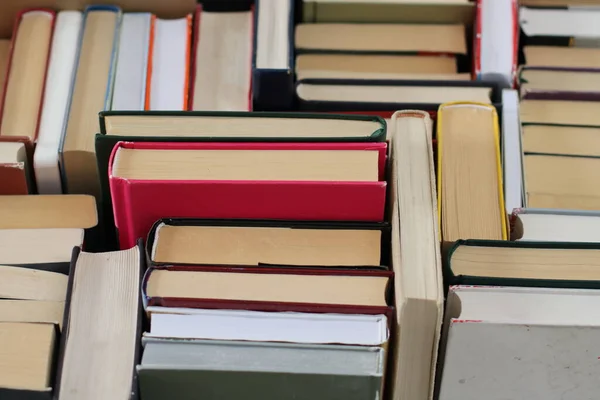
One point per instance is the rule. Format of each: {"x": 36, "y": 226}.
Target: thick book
{"x": 273, "y": 55}
{"x": 523, "y": 263}
{"x": 268, "y": 289}
{"x": 15, "y": 170}
{"x": 504, "y": 343}
{"x": 255, "y": 370}
{"x": 298, "y": 189}
{"x": 198, "y": 126}
{"x": 269, "y": 243}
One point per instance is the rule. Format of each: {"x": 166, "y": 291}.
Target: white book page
{"x": 272, "y": 38}
{"x": 169, "y": 65}
{"x": 366, "y": 330}
{"x": 560, "y": 228}
{"x": 59, "y": 81}
{"x": 512, "y": 157}
{"x": 132, "y": 63}
{"x": 498, "y": 41}
{"x": 580, "y": 23}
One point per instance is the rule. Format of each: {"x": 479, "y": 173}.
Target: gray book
{"x": 211, "y": 370}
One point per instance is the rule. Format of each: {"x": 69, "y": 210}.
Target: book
{"x": 523, "y": 263}
{"x": 560, "y": 140}
{"x": 257, "y": 326}
{"x": 26, "y": 359}
{"x": 512, "y": 154}
{"x": 267, "y": 243}
{"x": 416, "y": 257}
{"x": 22, "y": 283}
{"x": 92, "y": 92}
{"x": 577, "y": 26}
{"x": 24, "y": 87}
{"x": 389, "y": 11}
{"x": 4, "y": 63}
{"x": 268, "y": 289}
{"x": 273, "y": 55}
{"x": 289, "y": 370}
{"x": 496, "y": 47}
{"x": 168, "y": 64}
{"x": 381, "y": 38}
{"x": 14, "y": 169}
{"x": 48, "y": 211}
{"x": 131, "y": 70}
{"x": 34, "y": 311}
{"x": 106, "y": 346}
{"x": 353, "y": 66}
{"x": 559, "y": 112}
{"x": 524, "y": 330}
{"x": 222, "y": 78}
{"x": 311, "y": 181}
{"x": 61, "y": 67}
{"x": 561, "y": 57}
{"x": 547, "y": 225}
{"x": 559, "y": 83}
{"x": 470, "y": 187}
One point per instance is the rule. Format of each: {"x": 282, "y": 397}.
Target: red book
{"x": 285, "y": 284}
{"x": 138, "y": 203}
{"x": 14, "y": 168}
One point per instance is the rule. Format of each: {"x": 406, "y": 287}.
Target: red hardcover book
{"x": 137, "y": 204}
{"x": 236, "y": 304}
{"x": 18, "y": 19}
{"x": 14, "y": 168}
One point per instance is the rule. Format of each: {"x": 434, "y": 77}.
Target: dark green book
{"x": 199, "y": 126}
{"x": 523, "y": 263}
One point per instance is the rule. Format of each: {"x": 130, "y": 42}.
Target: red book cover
{"x": 268, "y": 305}
{"x": 13, "y": 179}
{"x": 18, "y": 18}
{"x": 137, "y": 204}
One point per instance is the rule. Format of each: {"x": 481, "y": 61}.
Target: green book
{"x": 218, "y": 370}
{"x": 523, "y": 263}
{"x": 199, "y": 126}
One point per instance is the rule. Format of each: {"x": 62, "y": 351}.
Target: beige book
{"x": 32, "y": 284}
{"x": 27, "y": 355}
{"x": 562, "y": 182}
{"x": 289, "y": 165}
{"x": 329, "y": 74}
{"x": 269, "y": 287}
{"x": 392, "y": 38}
{"x": 222, "y": 80}
{"x": 243, "y": 127}
{"x": 562, "y": 57}
{"x": 88, "y": 98}
{"x": 469, "y": 175}
{"x": 272, "y": 44}
{"x": 392, "y": 94}
{"x": 32, "y": 246}
{"x": 374, "y": 64}
{"x": 416, "y": 257}
{"x": 27, "y": 73}
{"x": 4, "y": 58}
{"x": 48, "y": 211}
{"x": 526, "y": 263}
{"x": 238, "y": 245}
{"x": 102, "y": 332}
{"x": 533, "y": 80}
{"x": 560, "y": 112}
{"x": 39, "y": 311}
{"x": 561, "y": 140}
{"x": 558, "y": 3}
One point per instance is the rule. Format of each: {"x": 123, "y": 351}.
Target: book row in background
{"x": 236, "y": 226}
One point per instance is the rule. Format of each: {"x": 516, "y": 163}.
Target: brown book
{"x": 26, "y": 75}
{"x": 14, "y": 169}
{"x": 469, "y": 173}
{"x": 4, "y": 59}
{"x": 89, "y": 97}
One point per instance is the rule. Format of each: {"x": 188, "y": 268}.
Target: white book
{"x": 59, "y": 82}
{"x": 521, "y": 343}
{"x": 169, "y": 81}
{"x": 512, "y": 155}
{"x": 223, "y": 61}
{"x": 129, "y": 92}
{"x": 499, "y": 40}
{"x": 578, "y": 22}
{"x": 546, "y": 225}
{"x": 310, "y": 328}
{"x": 272, "y": 34}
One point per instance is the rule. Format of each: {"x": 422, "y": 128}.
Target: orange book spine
{"x": 188, "y": 54}
{"x": 150, "y": 61}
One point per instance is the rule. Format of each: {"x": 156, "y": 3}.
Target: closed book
{"x": 198, "y": 126}
{"x": 268, "y": 371}
{"x": 14, "y": 169}
{"x": 300, "y": 191}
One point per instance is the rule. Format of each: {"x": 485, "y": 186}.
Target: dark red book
{"x": 138, "y": 203}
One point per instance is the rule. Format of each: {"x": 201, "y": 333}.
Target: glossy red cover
{"x": 137, "y": 204}
{"x": 264, "y": 305}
